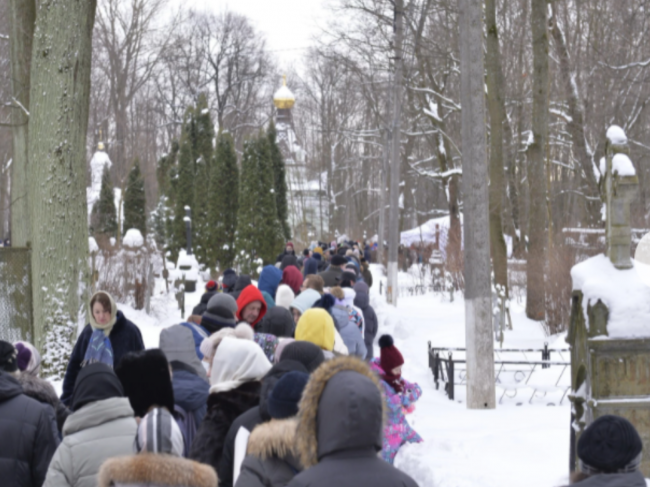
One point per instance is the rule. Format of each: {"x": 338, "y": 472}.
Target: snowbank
{"x": 133, "y": 238}
{"x": 622, "y": 291}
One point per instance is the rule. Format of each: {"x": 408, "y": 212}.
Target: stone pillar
{"x": 618, "y": 188}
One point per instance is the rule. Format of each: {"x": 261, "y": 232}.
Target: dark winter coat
{"x": 228, "y": 281}
{"x": 29, "y": 436}
{"x": 43, "y": 392}
{"x": 271, "y": 460}
{"x": 154, "y": 470}
{"x": 200, "y": 308}
{"x": 288, "y": 260}
{"x": 247, "y": 421}
{"x": 340, "y": 429}
{"x": 310, "y": 267}
{"x": 223, "y": 409}
{"x": 284, "y": 254}
{"x": 362, "y": 300}
{"x": 269, "y": 280}
{"x": 277, "y": 321}
{"x": 190, "y": 390}
{"x": 632, "y": 479}
{"x": 332, "y": 276}
{"x": 367, "y": 275}
{"x": 242, "y": 282}
{"x": 125, "y": 337}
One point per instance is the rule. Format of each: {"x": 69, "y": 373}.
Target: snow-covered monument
{"x": 98, "y": 162}
{"x": 609, "y": 331}
{"x": 307, "y": 199}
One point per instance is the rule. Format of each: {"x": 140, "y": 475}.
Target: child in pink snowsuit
{"x": 400, "y": 397}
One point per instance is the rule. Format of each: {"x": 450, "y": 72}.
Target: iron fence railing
{"x": 513, "y": 370}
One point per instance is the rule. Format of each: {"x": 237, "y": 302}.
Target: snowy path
{"x": 504, "y": 447}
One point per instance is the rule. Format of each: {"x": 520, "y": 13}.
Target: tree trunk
{"x": 478, "y": 295}
{"x": 496, "y": 109}
{"x": 393, "y": 221}
{"x": 576, "y": 128}
{"x": 23, "y": 16}
{"x": 537, "y": 213}
{"x": 59, "y": 95}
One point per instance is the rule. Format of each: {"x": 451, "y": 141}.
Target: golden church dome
{"x": 283, "y": 98}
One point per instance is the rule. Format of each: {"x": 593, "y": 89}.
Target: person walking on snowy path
{"x": 272, "y": 459}
{"x": 609, "y": 453}
{"x": 237, "y": 369}
{"x": 362, "y": 301}
{"x": 106, "y": 339}
{"x": 102, "y": 426}
{"x": 29, "y": 435}
{"x": 332, "y": 276}
{"x": 399, "y": 395}
{"x": 340, "y": 429}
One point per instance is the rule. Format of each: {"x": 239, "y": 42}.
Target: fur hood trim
{"x": 147, "y": 468}
{"x": 38, "y": 389}
{"x": 307, "y": 430}
{"x": 275, "y": 438}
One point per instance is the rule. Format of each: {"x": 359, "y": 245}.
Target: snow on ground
{"x": 504, "y": 447}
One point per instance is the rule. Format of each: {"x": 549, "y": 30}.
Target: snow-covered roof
{"x": 623, "y": 292}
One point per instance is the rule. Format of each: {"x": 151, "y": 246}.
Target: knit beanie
{"x": 285, "y": 396}
{"x": 610, "y": 444}
{"x": 158, "y": 432}
{"x": 211, "y": 286}
{"x": 316, "y": 326}
{"x": 8, "y": 357}
{"x": 308, "y": 354}
{"x": 24, "y": 356}
{"x": 284, "y": 296}
{"x": 390, "y": 355}
{"x": 220, "y": 313}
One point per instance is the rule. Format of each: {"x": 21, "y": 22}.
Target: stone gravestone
{"x": 609, "y": 331}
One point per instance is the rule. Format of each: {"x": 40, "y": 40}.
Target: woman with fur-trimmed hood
{"x": 272, "y": 459}
{"x": 237, "y": 369}
{"x": 340, "y": 429}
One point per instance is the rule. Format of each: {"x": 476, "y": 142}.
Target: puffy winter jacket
{"x": 43, "y": 392}
{"x": 349, "y": 332}
{"x": 362, "y": 300}
{"x": 340, "y": 426}
{"x": 631, "y": 479}
{"x": 29, "y": 436}
{"x": 125, "y": 337}
{"x": 271, "y": 459}
{"x": 269, "y": 279}
{"x": 190, "y": 390}
{"x": 152, "y": 470}
{"x": 96, "y": 432}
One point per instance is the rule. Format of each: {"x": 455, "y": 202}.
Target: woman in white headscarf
{"x": 237, "y": 369}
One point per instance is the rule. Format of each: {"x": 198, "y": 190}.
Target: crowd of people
{"x": 274, "y": 384}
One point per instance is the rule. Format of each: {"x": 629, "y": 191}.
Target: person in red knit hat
{"x": 400, "y": 396}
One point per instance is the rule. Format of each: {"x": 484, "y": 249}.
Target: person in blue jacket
{"x": 106, "y": 339}
{"x": 269, "y": 281}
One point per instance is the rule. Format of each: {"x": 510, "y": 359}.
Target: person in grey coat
{"x": 101, "y": 426}
{"x": 332, "y": 276}
{"x": 340, "y": 429}
{"x": 29, "y": 435}
{"x": 272, "y": 459}
{"x": 362, "y": 300}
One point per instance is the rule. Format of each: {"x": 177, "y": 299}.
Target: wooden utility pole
{"x": 478, "y": 300}
{"x": 393, "y": 220}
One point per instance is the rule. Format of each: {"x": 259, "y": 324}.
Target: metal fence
{"x": 16, "y": 315}
{"x": 514, "y": 370}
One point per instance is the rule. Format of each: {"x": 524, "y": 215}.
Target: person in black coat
{"x": 228, "y": 280}
{"x": 277, "y": 321}
{"x": 123, "y": 335}
{"x": 288, "y": 250}
{"x": 246, "y": 422}
{"x": 242, "y": 282}
{"x": 211, "y": 288}
{"x": 340, "y": 429}
{"x": 29, "y": 432}
{"x": 332, "y": 276}
{"x": 371, "y": 325}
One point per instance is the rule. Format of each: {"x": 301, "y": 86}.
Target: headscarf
{"x": 235, "y": 363}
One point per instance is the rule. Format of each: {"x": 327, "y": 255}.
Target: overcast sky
{"x": 288, "y": 24}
